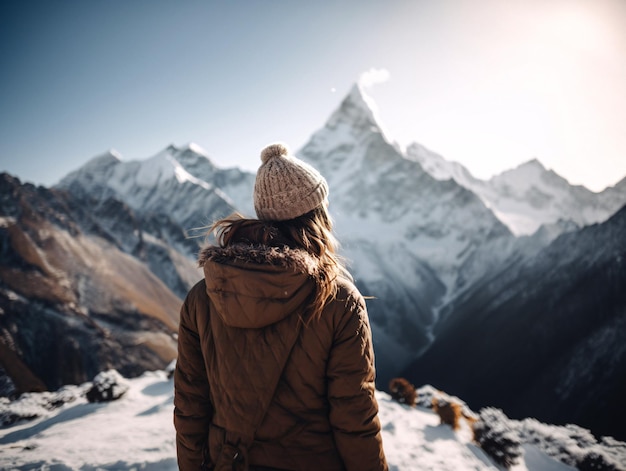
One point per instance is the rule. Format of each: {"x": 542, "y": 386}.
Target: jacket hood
{"x": 253, "y": 286}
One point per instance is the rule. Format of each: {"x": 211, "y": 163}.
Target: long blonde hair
{"x": 311, "y": 232}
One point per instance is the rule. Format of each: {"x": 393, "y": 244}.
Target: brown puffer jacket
{"x": 246, "y": 357}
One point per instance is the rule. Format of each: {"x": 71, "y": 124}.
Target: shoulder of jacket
{"x": 196, "y": 294}
{"x": 349, "y": 294}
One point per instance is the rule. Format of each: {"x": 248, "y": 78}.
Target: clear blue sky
{"x": 488, "y": 83}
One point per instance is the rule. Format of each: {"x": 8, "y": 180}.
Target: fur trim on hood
{"x": 298, "y": 260}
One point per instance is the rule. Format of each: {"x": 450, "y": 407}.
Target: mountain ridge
{"x": 528, "y": 195}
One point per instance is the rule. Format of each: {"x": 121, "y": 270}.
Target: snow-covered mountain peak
{"x": 103, "y": 161}
{"x": 193, "y": 159}
{"x": 356, "y": 115}
{"x": 437, "y": 166}
{"x": 524, "y": 173}
{"x": 114, "y": 153}
{"x": 162, "y": 167}
{"x": 531, "y": 181}
{"x": 338, "y": 149}
{"x": 195, "y": 148}
{"x": 155, "y": 169}
{"x": 191, "y": 151}
{"x": 355, "y": 107}
{"x": 534, "y": 162}
{"x": 98, "y": 168}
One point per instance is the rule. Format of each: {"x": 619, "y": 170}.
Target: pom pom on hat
{"x": 285, "y": 186}
{"x": 274, "y": 150}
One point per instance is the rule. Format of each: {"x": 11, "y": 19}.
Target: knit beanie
{"x": 285, "y": 186}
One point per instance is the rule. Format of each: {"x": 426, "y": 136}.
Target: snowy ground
{"x": 136, "y": 432}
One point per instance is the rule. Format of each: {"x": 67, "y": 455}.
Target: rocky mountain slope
{"x": 543, "y": 336}
{"x": 77, "y": 294}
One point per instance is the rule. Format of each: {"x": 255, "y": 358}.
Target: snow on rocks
{"x": 33, "y": 405}
{"x": 107, "y": 386}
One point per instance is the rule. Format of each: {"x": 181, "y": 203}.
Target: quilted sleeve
{"x": 353, "y": 407}
{"x": 192, "y": 406}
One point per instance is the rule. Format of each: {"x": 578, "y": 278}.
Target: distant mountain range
{"x": 438, "y": 249}
{"x": 529, "y": 196}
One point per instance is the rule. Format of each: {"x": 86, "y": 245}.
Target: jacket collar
{"x": 298, "y": 260}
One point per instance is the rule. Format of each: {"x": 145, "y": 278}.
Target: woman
{"x": 275, "y": 363}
